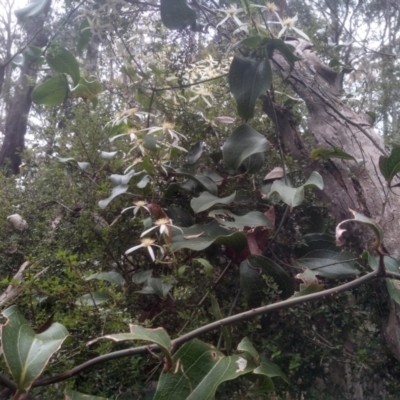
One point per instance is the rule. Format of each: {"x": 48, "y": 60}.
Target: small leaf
{"x": 243, "y": 142}
{"x": 142, "y": 276}
{"x": 208, "y": 268}
{"x": 25, "y": 352}
{"x": 246, "y": 345}
{"x": 195, "y": 152}
{"x": 283, "y": 48}
{"x": 85, "y": 35}
{"x": 310, "y": 283}
{"x": 202, "y": 180}
{"x": 105, "y": 155}
{"x": 73, "y": 395}
{"x": 248, "y": 79}
{"x": 270, "y": 369}
{"x": 62, "y": 61}
{"x": 226, "y": 333}
{"x": 52, "y": 92}
{"x": 295, "y": 196}
{"x": 81, "y": 164}
{"x": 176, "y": 14}
{"x": 207, "y": 200}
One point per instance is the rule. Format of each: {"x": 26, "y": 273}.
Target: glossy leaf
{"x": 248, "y": 79}
{"x": 62, "y": 61}
{"x": 206, "y": 200}
{"x": 52, "y": 92}
{"x": 230, "y": 220}
{"x": 208, "y": 268}
{"x": 142, "y": 276}
{"x": 176, "y": 14}
{"x": 243, "y": 142}
{"x": 202, "y": 180}
{"x": 25, "y": 352}
{"x": 198, "y": 237}
{"x": 253, "y": 163}
{"x": 246, "y": 345}
{"x": 202, "y": 369}
{"x": 195, "y": 152}
{"x": 118, "y": 190}
{"x": 390, "y": 166}
{"x": 283, "y": 48}
{"x": 270, "y": 369}
{"x": 295, "y": 196}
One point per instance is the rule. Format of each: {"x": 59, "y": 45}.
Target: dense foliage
{"x": 157, "y": 226}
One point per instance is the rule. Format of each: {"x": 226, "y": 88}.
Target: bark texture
{"x": 334, "y": 123}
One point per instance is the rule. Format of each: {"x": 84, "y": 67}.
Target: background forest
{"x": 199, "y": 199}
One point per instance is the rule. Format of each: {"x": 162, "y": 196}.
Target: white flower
{"x": 136, "y": 207}
{"x": 203, "y": 93}
{"x": 231, "y": 13}
{"x": 146, "y": 243}
{"x": 166, "y": 127}
{"x": 288, "y": 24}
{"x": 164, "y": 225}
{"x": 270, "y": 7}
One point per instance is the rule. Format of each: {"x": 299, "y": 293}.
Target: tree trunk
{"x": 332, "y": 122}
{"x": 20, "y": 105}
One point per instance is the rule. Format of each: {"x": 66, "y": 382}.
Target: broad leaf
{"x": 246, "y": 345}
{"x": 251, "y": 284}
{"x": 81, "y": 164}
{"x": 157, "y": 286}
{"x": 112, "y": 277}
{"x": 334, "y": 152}
{"x": 201, "y": 369}
{"x": 283, "y": 48}
{"x": 73, "y": 395}
{"x": 52, "y": 92}
{"x": 248, "y": 79}
{"x": 390, "y": 166}
{"x": 295, "y": 196}
{"x": 62, "y": 60}
{"x": 142, "y": 276}
{"x": 198, "y": 237}
{"x": 270, "y": 369}
{"x": 230, "y": 220}
{"x": 93, "y": 299}
{"x": 34, "y": 8}
{"x": 25, "y": 352}
{"x": 202, "y": 180}
{"x": 243, "y": 142}
{"x": 207, "y": 200}
{"x": 358, "y": 217}
{"x": 208, "y": 268}
{"x": 176, "y": 14}
{"x": 253, "y": 163}
{"x": 85, "y": 35}
{"x": 115, "y": 192}
{"x": 195, "y": 152}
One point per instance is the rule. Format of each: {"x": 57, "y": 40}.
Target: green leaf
{"x": 272, "y": 269}
{"x": 248, "y": 79}
{"x": 253, "y": 163}
{"x": 295, "y": 196}
{"x": 85, "y": 35}
{"x": 157, "y": 286}
{"x": 118, "y": 190}
{"x": 62, "y": 61}
{"x": 112, "y": 277}
{"x": 202, "y": 180}
{"x": 334, "y": 152}
{"x": 358, "y": 217}
{"x": 226, "y": 333}
{"x": 208, "y": 268}
{"x": 230, "y": 220}
{"x": 93, "y": 299}
{"x": 251, "y": 284}
{"x": 390, "y": 166}
{"x": 207, "y": 200}
{"x": 243, "y": 142}
{"x": 392, "y": 285}
{"x": 34, "y": 8}
{"x": 252, "y": 42}
{"x": 246, "y": 345}
{"x": 81, "y": 164}
{"x": 310, "y": 283}
{"x": 202, "y": 369}
{"x": 176, "y": 14}
{"x": 142, "y": 276}
{"x": 283, "y": 48}
{"x": 52, "y": 92}
{"x": 270, "y": 369}
{"x": 87, "y": 90}
{"x": 195, "y": 152}
{"x": 158, "y": 336}
{"x": 73, "y": 395}
{"x": 25, "y": 352}
{"x": 198, "y": 237}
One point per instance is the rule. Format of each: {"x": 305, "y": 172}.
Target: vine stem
{"x": 293, "y": 301}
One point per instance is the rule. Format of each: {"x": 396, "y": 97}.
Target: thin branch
{"x": 214, "y": 326}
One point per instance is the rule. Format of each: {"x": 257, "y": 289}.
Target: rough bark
{"x": 20, "y": 105}
{"x": 332, "y": 122}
